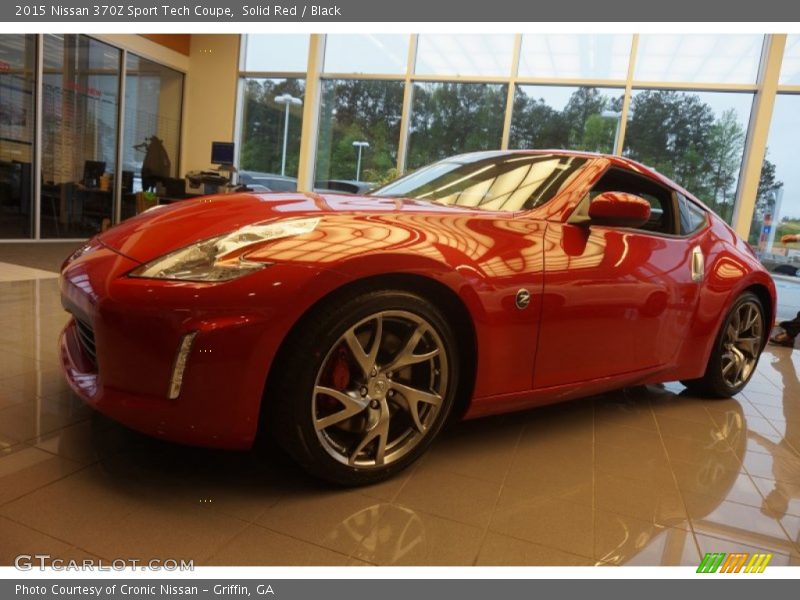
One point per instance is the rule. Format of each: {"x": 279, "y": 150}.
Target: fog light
{"x": 180, "y": 365}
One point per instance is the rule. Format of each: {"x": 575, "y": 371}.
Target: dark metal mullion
{"x": 36, "y": 175}
{"x": 117, "y": 197}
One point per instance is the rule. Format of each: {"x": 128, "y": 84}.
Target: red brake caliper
{"x": 338, "y": 377}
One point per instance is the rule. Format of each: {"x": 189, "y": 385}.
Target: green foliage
{"x": 669, "y": 131}
{"x": 381, "y": 178}
{"x": 580, "y": 126}
{"x": 768, "y": 187}
{"x": 598, "y": 134}
{"x": 536, "y": 125}
{"x": 359, "y": 110}
{"x": 674, "y": 132}
{"x": 787, "y": 227}
{"x": 680, "y": 136}
{"x": 452, "y": 118}
{"x": 263, "y": 126}
{"x": 726, "y": 144}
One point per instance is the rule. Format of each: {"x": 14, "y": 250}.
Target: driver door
{"x": 617, "y": 300}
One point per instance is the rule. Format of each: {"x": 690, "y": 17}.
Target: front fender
{"x": 505, "y": 337}
{"x": 484, "y": 260}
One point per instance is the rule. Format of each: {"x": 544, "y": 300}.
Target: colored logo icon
{"x": 742, "y": 562}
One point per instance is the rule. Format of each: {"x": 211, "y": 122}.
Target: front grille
{"x": 86, "y": 338}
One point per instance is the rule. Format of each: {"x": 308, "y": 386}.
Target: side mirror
{"x": 619, "y": 209}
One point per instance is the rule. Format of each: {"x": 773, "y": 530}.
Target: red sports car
{"x": 353, "y": 327}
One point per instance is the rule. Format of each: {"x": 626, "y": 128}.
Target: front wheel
{"x": 364, "y": 386}
{"x": 736, "y": 350}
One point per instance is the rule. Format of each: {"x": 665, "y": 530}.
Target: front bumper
{"x": 220, "y": 416}
{"x": 138, "y": 326}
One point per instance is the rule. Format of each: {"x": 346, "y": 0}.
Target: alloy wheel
{"x": 379, "y": 389}
{"x": 742, "y": 344}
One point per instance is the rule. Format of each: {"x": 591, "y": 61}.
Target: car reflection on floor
{"x": 645, "y": 476}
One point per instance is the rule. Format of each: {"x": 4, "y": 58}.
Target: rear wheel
{"x": 736, "y": 350}
{"x": 364, "y": 386}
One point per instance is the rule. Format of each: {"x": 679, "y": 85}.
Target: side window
{"x": 692, "y": 216}
{"x": 662, "y": 211}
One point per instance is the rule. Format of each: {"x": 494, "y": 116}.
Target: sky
{"x": 782, "y": 149}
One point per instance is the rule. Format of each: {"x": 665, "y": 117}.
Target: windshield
{"x": 504, "y": 182}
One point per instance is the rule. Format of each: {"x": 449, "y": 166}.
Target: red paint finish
{"x": 615, "y": 302}
{"x": 619, "y": 207}
{"x": 609, "y": 306}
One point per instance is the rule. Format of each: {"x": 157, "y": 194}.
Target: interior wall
{"x": 180, "y": 42}
{"x": 210, "y": 105}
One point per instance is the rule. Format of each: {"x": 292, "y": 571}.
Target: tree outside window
{"x": 263, "y": 126}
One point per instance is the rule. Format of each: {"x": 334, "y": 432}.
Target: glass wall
{"x": 451, "y": 118}
{"x": 695, "y": 138}
{"x": 687, "y": 113}
{"x": 576, "y": 118}
{"x": 462, "y": 54}
{"x": 275, "y": 53}
{"x": 80, "y": 102}
{"x": 568, "y": 56}
{"x": 17, "y": 116}
{"x": 790, "y": 67}
{"x": 699, "y": 58}
{"x": 359, "y": 131}
{"x": 82, "y": 134}
{"x": 152, "y": 130}
{"x": 775, "y": 230}
{"x": 366, "y": 54}
{"x": 272, "y": 120}
{"x": 271, "y": 109}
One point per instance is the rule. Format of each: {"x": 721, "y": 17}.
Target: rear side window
{"x": 692, "y": 216}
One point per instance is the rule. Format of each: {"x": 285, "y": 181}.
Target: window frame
{"x": 670, "y": 196}
{"x": 579, "y": 215}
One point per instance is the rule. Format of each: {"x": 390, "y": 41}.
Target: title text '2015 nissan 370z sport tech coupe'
{"x": 352, "y": 327}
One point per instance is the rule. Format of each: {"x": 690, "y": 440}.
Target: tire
{"x": 353, "y": 413}
{"x": 718, "y": 380}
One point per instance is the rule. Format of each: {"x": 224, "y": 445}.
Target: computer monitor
{"x": 127, "y": 181}
{"x": 222, "y": 153}
{"x": 93, "y": 170}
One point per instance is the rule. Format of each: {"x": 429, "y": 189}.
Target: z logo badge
{"x": 523, "y": 299}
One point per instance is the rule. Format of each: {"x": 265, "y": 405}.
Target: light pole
{"x": 289, "y": 101}
{"x": 618, "y": 116}
{"x": 360, "y": 145}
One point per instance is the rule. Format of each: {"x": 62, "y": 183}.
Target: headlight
{"x": 222, "y": 258}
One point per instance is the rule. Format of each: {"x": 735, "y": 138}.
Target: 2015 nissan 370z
{"x": 352, "y": 327}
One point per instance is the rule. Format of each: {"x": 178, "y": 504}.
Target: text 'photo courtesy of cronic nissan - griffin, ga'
{"x": 352, "y": 328}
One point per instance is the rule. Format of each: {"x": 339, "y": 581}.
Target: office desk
{"x": 76, "y": 209}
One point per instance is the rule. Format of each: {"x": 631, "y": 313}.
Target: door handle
{"x": 698, "y": 265}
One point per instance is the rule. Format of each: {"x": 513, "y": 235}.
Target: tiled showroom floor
{"x": 640, "y": 477}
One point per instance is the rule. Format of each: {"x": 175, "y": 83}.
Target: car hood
{"x": 166, "y": 228}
